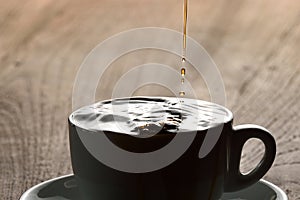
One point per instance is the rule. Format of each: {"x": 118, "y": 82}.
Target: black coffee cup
{"x": 188, "y": 177}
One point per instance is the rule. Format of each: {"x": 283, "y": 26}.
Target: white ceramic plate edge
{"x": 280, "y": 193}
{"x": 30, "y": 192}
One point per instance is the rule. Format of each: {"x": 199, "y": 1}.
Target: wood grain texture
{"x": 255, "y": 43}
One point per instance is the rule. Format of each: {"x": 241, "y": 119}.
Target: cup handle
{"x": 234, "y": 179}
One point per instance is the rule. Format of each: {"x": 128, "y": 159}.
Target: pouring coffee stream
{"x": 183, "y": 58}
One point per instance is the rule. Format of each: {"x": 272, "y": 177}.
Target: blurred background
{"x": 255, "y": 44}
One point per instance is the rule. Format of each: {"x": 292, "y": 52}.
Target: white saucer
{"x": 65, "y": 188}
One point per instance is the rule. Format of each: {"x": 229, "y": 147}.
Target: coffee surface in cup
{"x": 139, "y": 116}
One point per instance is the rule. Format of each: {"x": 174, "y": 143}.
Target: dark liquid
{"x": 142, "y": 116}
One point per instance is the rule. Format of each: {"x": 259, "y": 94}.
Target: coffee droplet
{"x": 183, "y": 59}
{"x": 182, "y": 81}
{"x": 182, "y": 72}
{"x": 181, "y": 93}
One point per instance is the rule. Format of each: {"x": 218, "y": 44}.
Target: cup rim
{"x": 227, "y": 119}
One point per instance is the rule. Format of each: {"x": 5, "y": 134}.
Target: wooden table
{"x": 255, "y": 43}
